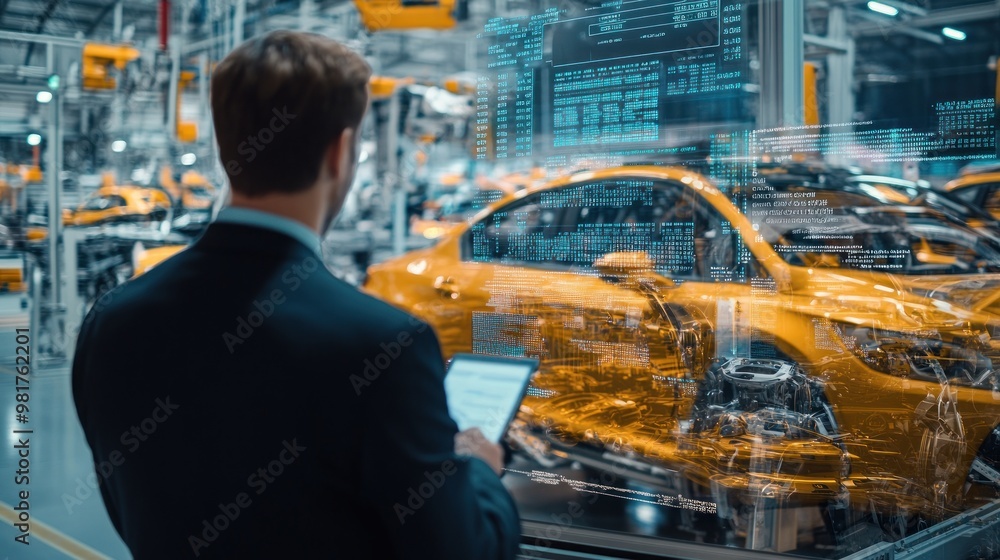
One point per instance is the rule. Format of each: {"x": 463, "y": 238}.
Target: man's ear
{"x": 338, "y": 154}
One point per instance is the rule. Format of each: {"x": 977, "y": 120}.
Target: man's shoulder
{"x": 363, "y": 311}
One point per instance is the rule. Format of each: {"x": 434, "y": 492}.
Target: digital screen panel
{"x": 608, "y": 75}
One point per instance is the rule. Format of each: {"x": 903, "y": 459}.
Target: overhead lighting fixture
{"x": 883, "y": 9}
{"x": 952, "y": 33}
{"x": 34, "y": 139}
{"x": 118, "y": 146}
{"x": 188, "y": 159}
{"x": 43, "y": 96}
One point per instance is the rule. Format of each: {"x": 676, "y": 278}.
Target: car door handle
{"x": 447, "y": 287}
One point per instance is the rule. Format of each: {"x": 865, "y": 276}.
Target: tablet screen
{"x": 485, "y": 391}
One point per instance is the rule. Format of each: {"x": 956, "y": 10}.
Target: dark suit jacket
{"x": 242, "y": 402}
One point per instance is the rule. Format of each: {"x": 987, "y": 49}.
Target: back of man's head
{"x": 278, "y": 101}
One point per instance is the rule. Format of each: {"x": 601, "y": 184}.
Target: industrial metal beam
{"x": 15, "y": 130}
{"x": 100, "y": 17}
{"x": 39, "y": 38}
{"x": 23, "y": 73}
{"x": 935, "y": 18}
{"x": 826, "y": 43}
{"x": 42, "y": 19}
{"x": 197, "y": 46}
{"x": 887, "y": 27}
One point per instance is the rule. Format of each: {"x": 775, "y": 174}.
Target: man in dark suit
{"x": 242, "y": 402}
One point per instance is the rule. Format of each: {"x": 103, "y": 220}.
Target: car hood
{"x": 917, "y": 301}
{"x": 979, "y": 292}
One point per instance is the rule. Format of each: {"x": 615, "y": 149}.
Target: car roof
{"x": 972, "y": 180}
{"x": 665, "y": 173}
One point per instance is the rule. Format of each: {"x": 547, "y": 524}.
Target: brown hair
{"x": 278, "y": 101}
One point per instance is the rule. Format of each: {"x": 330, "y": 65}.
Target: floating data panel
{"x": 609, "y": 75}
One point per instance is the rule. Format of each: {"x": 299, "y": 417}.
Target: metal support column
{"x": 204, "y": 111}
{"x": 306, "y": 15}
{"x": 74, "y": 303}
{"x": 117, "y": 29}
{"x": 55, "y": 272}
{"x": 781, "y": 60}
{"x": 175, "y": 70}
{"x": 238, "y": 20}
{"x": 840, "y": 69}
{"x": 399, "y": 226}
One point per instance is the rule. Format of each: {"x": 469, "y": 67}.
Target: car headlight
{"x": 926, "y": 354}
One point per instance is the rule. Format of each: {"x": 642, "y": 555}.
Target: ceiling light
{"x": 883, "y": 9}
{"x": 43, "y": 96}
{"x": 953, "y": 33}
{"x": 188, "y": 159}
{"x": 34, "y": 139}
{"x": 118, "y": 146}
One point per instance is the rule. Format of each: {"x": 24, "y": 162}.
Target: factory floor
{"x": 66, "y": 516}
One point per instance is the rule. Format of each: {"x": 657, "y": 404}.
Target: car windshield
{"x": 459, "y": 206}
{"x": 856, "y": 232}
{"x": 899, "y": 191}
{"x": 103, "y": 202}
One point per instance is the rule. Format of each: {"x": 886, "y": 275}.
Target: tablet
{"x": 485, "y": 391}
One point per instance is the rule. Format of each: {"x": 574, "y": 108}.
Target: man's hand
{"x": 473, "y": 442}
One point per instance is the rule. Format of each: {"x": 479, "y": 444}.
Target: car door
{"x": 709, "y": 300}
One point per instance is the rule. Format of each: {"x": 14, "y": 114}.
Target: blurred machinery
{"x": 383, "y": 15}
{"x": 96, "y": 60}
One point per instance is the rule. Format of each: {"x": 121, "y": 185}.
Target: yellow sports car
{"x": 981, "y": 190}
{"x": 119, "y": 204}
{"x": 757, "y": 343}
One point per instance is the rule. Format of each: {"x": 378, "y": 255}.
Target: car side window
{"x": 514, "y": 234}
{"x": 969, "y": 195}
{"x": 571, "y": 227}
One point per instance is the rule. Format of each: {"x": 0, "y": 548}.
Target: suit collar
{"x": 233, "y": 237}
{"x": 268, "y": 220}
